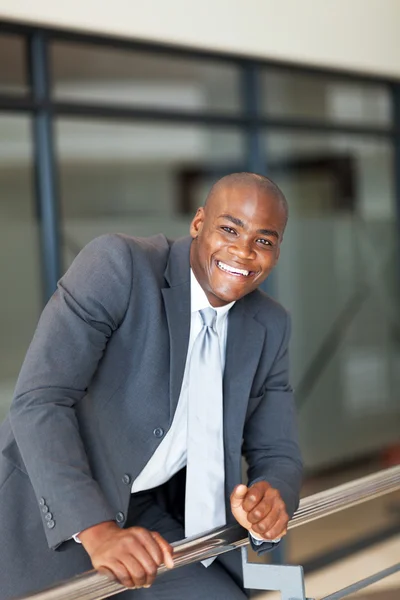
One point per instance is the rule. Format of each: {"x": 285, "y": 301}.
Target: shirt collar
{"x": 198, "y": 298}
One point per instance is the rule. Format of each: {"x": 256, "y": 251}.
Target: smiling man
{"x": 154, "y": 366}
{"x": 238, "y": 232}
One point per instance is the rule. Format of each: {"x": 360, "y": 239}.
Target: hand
{"x": 260, "y": 509}
{"x": 131, "y": 555}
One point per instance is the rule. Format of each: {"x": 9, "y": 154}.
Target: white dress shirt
{"x": 170, "y": 455}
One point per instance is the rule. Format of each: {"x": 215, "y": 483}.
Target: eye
{"x": 228, "y": 229}
{"x": 265, "y": 242}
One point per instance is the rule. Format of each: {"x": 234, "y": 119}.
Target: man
{"x": 153, "y": 356}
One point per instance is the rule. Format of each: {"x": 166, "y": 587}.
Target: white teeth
{"x": 229, "y": 269}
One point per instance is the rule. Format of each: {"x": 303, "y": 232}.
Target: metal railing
{"x": 95, "y": 586}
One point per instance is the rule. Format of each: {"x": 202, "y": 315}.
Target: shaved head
{"x": 260, "y": 182}
{"x": 237, "y": 236}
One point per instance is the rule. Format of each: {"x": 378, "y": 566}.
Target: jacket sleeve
{"x": 271, "y": 446}
{"x": 89, "y": 304}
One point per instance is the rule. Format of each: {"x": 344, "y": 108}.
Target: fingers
{"x": 265, "y": 510}
{"x": 126, "y": 569}
{"x": 256, "y": 493}
{"x": 150, "y": 550}
{"x": 129, "y": 573}
{"x": 109, "y": 574}
{"x": 262, "y": 510}
{"x": 272, "y": 527}
{"x": 132, "y": 556}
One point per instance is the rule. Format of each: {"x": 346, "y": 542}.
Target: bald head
{"x": 250, "y": 180}
{"x": 237, "y": 236}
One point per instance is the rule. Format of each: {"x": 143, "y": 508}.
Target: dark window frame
{"x": 44, "y": 109}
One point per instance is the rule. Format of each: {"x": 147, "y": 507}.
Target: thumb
{"x": 166, "y": 549}
{"x": 238, "y": 495}
{"x": 109, "y": 574}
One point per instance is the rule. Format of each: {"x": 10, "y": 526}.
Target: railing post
{"x": 286, "y": 579}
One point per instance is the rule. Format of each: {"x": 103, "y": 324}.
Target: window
{"x": 13, "y": 77}
{"x": 292, "y": 94}
{"x": 20, "y": 276}
{"x": 87, "y": 73}
{"x": 140, "y": 179}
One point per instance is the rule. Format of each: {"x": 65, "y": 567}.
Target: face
{"x": 236, "y": 242}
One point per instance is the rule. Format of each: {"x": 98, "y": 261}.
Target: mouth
{"x": 233, "y": 270}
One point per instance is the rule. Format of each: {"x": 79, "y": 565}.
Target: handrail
{"x": 95, "y": 586}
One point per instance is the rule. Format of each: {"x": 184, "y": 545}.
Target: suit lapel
{"x": 177, "y": 308}
{"x": 243, "y": 349}
{"x": 244, "y": 342}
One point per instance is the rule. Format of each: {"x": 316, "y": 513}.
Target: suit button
{"x": 120, "y": 517}
{"x": 126, "y": 479}
{"x": 48, "y": 516}
{"x": 45, "y": 509}
{"x": 158, "y": 432}
{"x": 50, "y": 524}
{"x": 42, "y": 501}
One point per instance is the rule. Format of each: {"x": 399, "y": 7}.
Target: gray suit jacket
{"x": 98, "y": 390}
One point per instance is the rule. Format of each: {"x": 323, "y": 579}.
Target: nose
{"x": 242, "y": 249}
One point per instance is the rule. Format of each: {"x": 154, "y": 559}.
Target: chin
{"x": 225, "y": 297}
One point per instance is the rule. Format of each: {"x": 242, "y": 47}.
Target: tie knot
{"x": 209, "y": 316}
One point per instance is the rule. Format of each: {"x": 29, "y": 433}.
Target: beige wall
{"x": 358, "y": 35}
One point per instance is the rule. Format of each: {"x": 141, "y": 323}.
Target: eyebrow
{"x": 240, "y": 223}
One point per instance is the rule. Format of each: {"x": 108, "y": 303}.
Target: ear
{"x": 197, "y": 224}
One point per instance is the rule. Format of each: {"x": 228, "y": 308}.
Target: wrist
{"x": 95, "y": 535}
{"x": 257, "y": 536}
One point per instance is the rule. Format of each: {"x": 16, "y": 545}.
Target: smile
{"x": 233, "y": 270}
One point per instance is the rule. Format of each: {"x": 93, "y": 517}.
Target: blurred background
{"x": 119, "y": 119}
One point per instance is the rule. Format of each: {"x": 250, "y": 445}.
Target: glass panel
{"x": 138, "y": 179}
{"x": 92, "y": 74}
{"x": 13, "y": 77}
{"x": 338, "y": 275}
{"x": 20, "y": 300}
{"x": 295, "y": 94}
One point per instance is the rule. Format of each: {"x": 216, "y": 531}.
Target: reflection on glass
{"x": 13, "y": 78}
{"x": 295, "y": 94}
{"x": 138, "y": 179}
{"x": 20, "y": 299}
{"x": 336, "y": 275}
{"x": 92, "y": 74}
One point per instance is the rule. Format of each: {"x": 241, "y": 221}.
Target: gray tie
{"x": 205, "y": 480}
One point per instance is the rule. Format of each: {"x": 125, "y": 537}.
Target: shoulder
{"x": 116, "y": 250}
{"x": 120, "y": 244}
{"x": 268, "y": 311}
{"x": 110, "y": 263}
{"x": 109, "y": 268}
